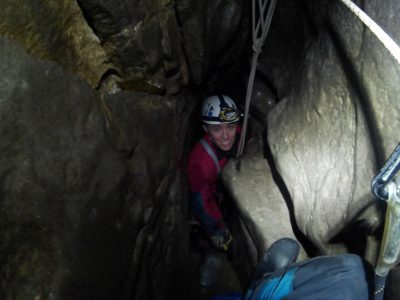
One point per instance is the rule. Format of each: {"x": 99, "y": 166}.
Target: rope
{"x": 394, "y": 50}
{"x": 259, "y": 34}
{"x": 382, "y": 36}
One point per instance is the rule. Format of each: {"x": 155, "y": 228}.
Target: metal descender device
{"x": 386, "y": 186}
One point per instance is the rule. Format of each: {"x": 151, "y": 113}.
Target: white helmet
{"x": 219, "y": 109}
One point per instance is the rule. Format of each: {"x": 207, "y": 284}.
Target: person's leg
{"x": 339, "y": 277}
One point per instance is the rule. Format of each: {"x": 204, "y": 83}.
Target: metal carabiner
{"x": 386, "y": 186}
{"x": 390, "y": 244}
{"x": 389, "y": 170}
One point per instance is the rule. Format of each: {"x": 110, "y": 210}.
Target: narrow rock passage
{"x": 95, "y": 101}
{"x": 227, "y": 280}
{"x": 237, "y": 266}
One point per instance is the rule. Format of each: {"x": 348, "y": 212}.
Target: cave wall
{"x": 83, "y": 195}
{"x": 55, "y": 31}
{"x": 337, "y": 121}
{"x": 332, "y": 128}
{"x": 95, "y": 100}
{"x": 92, "y": 189}
{"x": 61, "y": 187}
{"x": 324, "y": 132}
{"x": 93, "y": 122}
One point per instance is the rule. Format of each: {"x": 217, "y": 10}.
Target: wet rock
{"x": 325, "y": 134}
{"x": 319, "y": 138}
{"x": 263, "y": 98}
{"x": 259, "y": 199}
{"x": 139, "y": 44}
{"x": 85, "y": 185}
{"x": 92, "y": 201}
{"x": 142, "y": 39}
{"x": 149, "y": 131}
{"x": 56, "y": 31}
{"x": 372, "y": 71}
{"x": 214, "y": 36}
{"x": 61, "y": 184}
{"x": 287, "y": 43}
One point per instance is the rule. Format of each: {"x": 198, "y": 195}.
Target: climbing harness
{"x": 382, "y": 36}
{"x": 212, "y": 154}
{"x": 386, "y": 186}
{"x": 259, "y": 34}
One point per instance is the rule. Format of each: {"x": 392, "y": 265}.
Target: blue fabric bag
{"x": 272, "y": 288}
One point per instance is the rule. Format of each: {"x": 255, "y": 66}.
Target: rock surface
{"x": 80, "y": 210}
{"x": 150, "y": 130}
{"x": 259, "y": 199}
{"x": 322, "y": 150}
{"x": 61, "y": 187}
{"x": 142, "y": 40}
{"x": 57, "y": 31}
{"x": 94, "y": 110}
{"x": 214, "y": 36}
{"x": 324, "y": 134}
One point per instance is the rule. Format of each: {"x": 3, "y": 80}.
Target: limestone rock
{"x": 81, "y": 212}
{"x": 149, "y": 130}
{"x": 214, "y": 35}
{"x": 61, "y": 185}
{"x": 92, "y": 200}
{"x": 321, "y": 144}
{"x": 372, "y": 71}
{"x": 259, "y": 199}
{"x": 57, "y": 31}
{"x": 336, "y": 124}
{"x": 142, "y": 40}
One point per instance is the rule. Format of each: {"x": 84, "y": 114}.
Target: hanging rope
{"x": 259, "y": 34}
{"x": 390, "y": 237}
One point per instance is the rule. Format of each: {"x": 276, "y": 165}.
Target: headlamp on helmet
{"x": 219, "y": 109}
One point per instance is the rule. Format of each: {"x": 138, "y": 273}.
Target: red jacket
{"x": 202, "y": 171}
{"x": 203, "y": 175}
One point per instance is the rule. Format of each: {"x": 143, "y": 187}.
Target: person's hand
{"x": 221, "y": 240}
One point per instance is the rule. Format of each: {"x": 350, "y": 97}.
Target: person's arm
{"x": 202, "y": 203}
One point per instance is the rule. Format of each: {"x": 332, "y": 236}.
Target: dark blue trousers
{"x": 340, "y": 277}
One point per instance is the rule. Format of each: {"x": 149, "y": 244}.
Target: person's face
{"x": 222, "y": 135}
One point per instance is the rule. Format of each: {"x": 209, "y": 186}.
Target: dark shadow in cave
{"x": 247, "y": 248}
{"x": 355, "y": 235}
